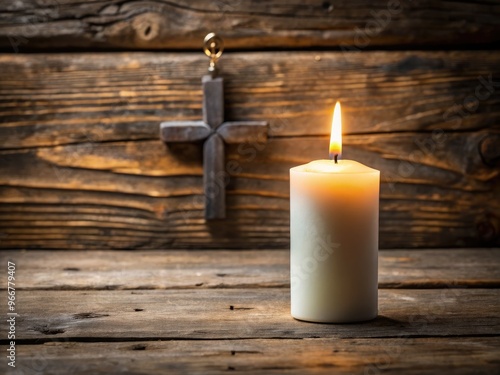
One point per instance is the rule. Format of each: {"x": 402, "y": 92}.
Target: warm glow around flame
{"x": 336, "y": 135}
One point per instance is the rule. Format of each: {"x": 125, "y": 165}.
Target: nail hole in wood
{"x": 230, "y": 368}
{"x": 89, "y": 315}
{"x": 327, "y": 6}
{"x": 486, "y": 228}
{"x": 147, "y": 31}
{"x": 233, "y": 352}
{"x": 241, "y": 308}
{"x": 46, "y": 330}
{"x": 138, "y": 309}
{"x": 71, "y": 269}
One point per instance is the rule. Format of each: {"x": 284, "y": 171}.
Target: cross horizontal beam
{"x": 184, "y": 131}
{"x": 234, "y": 132}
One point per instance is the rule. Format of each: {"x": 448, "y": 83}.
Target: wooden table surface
{"x": 205, "y": 312}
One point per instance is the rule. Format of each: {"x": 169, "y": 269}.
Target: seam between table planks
{"x": 77, "y": 339}
{"x": 424, "y": 285}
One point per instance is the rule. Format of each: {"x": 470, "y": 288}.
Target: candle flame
{"x": 336, "y": 135}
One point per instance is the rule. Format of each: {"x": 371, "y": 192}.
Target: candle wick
{"x": 335, "y": 157}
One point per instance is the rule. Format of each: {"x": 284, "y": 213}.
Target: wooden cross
{"x": 215, "y": 132}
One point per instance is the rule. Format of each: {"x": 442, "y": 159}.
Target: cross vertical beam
{"x": 214, "y": 178}
{"x": 213, "y": 101}
{"x": 213, "y": 149}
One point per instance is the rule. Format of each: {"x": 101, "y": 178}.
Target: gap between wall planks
{"x": 82, "y": 165}
{"x": 76, "y": 25}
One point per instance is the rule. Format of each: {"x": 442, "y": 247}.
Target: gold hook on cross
{"x": 213, "y": 45}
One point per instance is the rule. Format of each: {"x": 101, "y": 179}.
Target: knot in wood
{"x": 146, "y": 26}
{"x": 489, "y": 150}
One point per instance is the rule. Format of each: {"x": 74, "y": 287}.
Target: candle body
{"x": 334, "y": 212}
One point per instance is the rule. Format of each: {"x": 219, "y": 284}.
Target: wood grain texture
{"x": 79, "y": 143}
{"x": 248, "y": 24}
{"x": 243, "y": 313}
{"x": 404, "y": 355}
{"x": 201, "y": 269}
{"x": 221, "y": 329}
{"x": 56, "y": 99}
{"x": 132, "y": 202}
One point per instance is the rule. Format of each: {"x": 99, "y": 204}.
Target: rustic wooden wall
{"x": 247, "y": 24}
{"x": 82, "y": 165}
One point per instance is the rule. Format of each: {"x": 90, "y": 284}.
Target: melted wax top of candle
{"x": 343, "y": 166}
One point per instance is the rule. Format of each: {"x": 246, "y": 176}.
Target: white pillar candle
{"x": 334, "y": 210}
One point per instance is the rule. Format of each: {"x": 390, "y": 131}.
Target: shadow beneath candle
{"x": 384, "y": 321}
{"x": 379, "y": 321}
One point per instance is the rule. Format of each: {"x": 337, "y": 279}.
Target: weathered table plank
{"x": 193, "y": 269}
{"x": 243, "y": 326}
{"x": 404, "y": 355}
{"x": 27, "y": 25}
{"x": 243, "y": 313}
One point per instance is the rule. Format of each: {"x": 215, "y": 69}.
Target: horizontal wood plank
{"x": 54, "y": 99}
{"x": 82, "y": 165}
{"x": 193, "y": 269}
{"x": 243, "y": 313}
{"x": 130, "y": 195}
{"x": 248, "y": 24}
{"x": 404, "y": 355}
{"x": 249, "y": 328}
